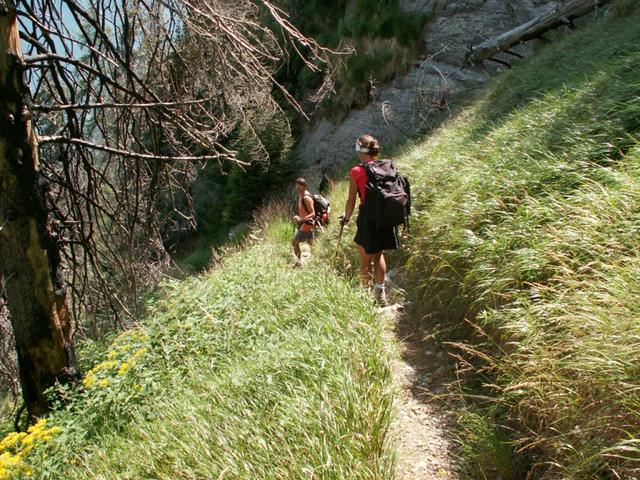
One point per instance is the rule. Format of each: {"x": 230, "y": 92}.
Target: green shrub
{"x": 380, "y": 19}
{"x": 385, "y": 40}
{"x": 225, "y": 198}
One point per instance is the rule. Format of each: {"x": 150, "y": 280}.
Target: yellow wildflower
{"x": 139, "y": 352}
{"x": 8, "y": 465}
{"x": 130, "y": 335}
{"x": 7, "y": 460}
{"x": 25, "y": 450}
{"x": 11, "y": 464}
{"x": 123, "y": 368}
{"x": 38, "y": 427}
{"x": 103, "y": 383}
{"x": 88, "y": 380}
{"x": 108, "y": 365}
{"x": 11, "y": 439}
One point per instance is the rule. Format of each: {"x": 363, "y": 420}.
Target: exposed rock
{"x": 419, "y": 6}
{"x": 397, "y": 111}
{"x": 418, "y": 100}
{"x": 459, "y": 24}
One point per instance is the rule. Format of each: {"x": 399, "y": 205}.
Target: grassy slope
{"x": 527, "y": 220}
{"x": 528, "y": 227}
{"x": 255, "y": 370}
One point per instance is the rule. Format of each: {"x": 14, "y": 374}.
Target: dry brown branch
{"x": 131, "y": 154}
{"x": 535, "y": 28}
{"x": 130, "y": 99}
{"x": 96, "y": 106}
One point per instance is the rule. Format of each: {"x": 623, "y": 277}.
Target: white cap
{"x": 361, "y": 149}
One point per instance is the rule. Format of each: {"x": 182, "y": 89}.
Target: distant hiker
{"x": 384, "y": 204}
{"x": 305, "y": 219}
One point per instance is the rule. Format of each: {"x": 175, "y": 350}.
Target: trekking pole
{"x": 339, "y": 235}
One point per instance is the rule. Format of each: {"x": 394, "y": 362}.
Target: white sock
{"x": 380, "y": 286}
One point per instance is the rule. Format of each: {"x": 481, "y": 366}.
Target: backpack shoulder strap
{"x": 369, "y": 170}
{"x": 304, "y": 205}
{"x": 387, "y": 165}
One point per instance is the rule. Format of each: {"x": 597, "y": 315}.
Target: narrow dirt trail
{"x": 424, "y": 416}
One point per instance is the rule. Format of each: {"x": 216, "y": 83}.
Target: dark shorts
{"x": 372, "y": 239}
{"x": 301, "y": 236}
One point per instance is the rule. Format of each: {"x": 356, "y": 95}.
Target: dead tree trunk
{"x": 535, "y": 28}
{"x": 29, "y": 252}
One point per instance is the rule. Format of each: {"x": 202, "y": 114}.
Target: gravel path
{"x": 422, "y": 425}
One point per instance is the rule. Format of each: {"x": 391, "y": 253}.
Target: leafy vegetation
{"x": 225, "y": 197}
{"x": 524, "y": 241}
{"x": 384, "y": 38}
{"x": 253, "y": 370}
{"x": 527, "y": 228}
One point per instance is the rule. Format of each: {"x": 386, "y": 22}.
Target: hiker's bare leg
{"x": 379, "y": 267}
{"x": 365, "y": 267}
{"x": 296, "y": 248}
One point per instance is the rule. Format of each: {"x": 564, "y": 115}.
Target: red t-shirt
{"x": 359, "y": 175}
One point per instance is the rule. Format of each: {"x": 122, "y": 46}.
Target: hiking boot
{"x": 380, "y": 296}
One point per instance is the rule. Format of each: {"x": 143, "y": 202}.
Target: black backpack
{"x": 322, "y": 208}
{"x": 387, "y": 201}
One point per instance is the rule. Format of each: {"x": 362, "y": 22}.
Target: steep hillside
{"x": 526, "y": 241}
{"x": 421, "y": 94}
{"x": 522, "y": 259}
{"x": 254, "y": 370}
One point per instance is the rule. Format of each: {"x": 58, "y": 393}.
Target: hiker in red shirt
{"x": 305, "y": 219}
{"x": 371, "y": 241}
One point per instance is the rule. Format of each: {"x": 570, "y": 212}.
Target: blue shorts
{"x": 301, "y": 236}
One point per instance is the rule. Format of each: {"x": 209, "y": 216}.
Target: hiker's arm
{"x": 351, "y": 199}
{"x": 308, "y": 206}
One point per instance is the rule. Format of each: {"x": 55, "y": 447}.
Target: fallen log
{"x": 535, "y": 28}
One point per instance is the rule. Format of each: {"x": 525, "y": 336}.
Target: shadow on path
{"x": 425, "y": 415}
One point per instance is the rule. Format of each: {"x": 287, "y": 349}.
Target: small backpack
{"x": 387, "y": 200}
{"x": 322, "y": 208}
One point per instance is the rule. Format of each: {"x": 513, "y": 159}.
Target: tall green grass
{"x": 527, "y": 236}
{"x": 253, "y": 370}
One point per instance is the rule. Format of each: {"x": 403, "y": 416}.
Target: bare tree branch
{"x": 94, "y": 106}
{"x": 129, "y": 153}
{"x": 130, "y": 99}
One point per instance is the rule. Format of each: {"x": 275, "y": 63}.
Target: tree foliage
{"x": 382, "y": 38}
{"x": 130, "y": 99}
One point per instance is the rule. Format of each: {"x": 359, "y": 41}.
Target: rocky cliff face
{"x": 420, "y": 99}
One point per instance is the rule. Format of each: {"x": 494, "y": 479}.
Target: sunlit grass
{"x": 254, "y": 370}
{"x": 527, "y": 227}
